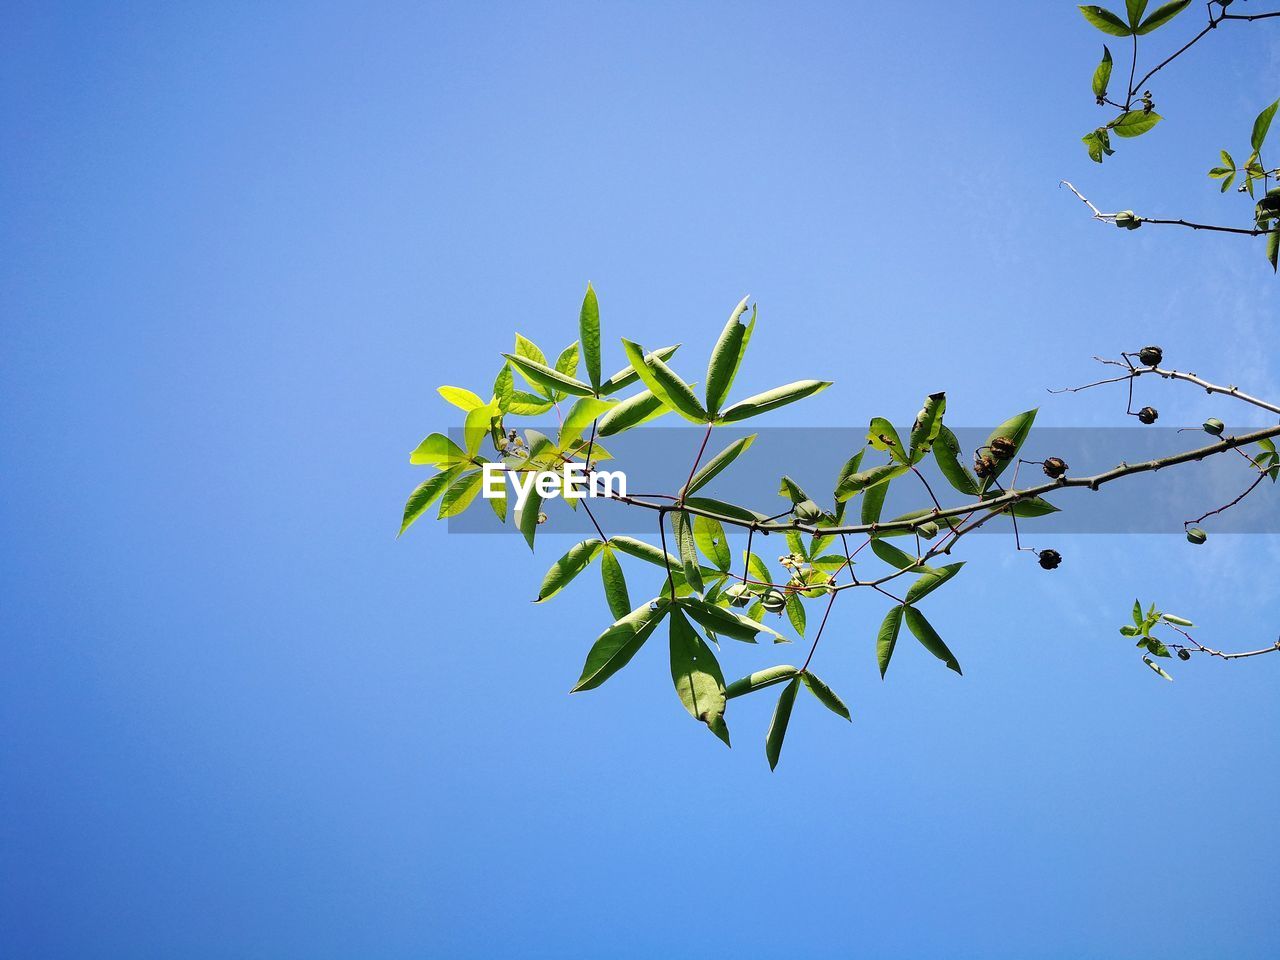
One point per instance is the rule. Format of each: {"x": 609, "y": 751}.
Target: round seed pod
{"x": 1049, "y": 559}
{"x": 1184, "y": 654}
{"x": 1196, "y": 535}
{"x": 1148, "y": 415}
{"x": 1214, "y": 427}
{"x": 773, "y": 601}
{"x": 1151, "y": 356}
{"x": 1055, "y": 467}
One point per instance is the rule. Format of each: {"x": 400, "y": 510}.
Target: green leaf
{"x": 729, "y": 510}
{"x": 1273, "y": 247}
{"x": 1161, "y": 15}
{"x": 772, "y": 399}
{"x": 426, "y": 494}
{"x": 1105, "y": 20}
{"x": 583, "y": 411}
{"x": 826, "y": 696}
{"x": 1261, "y": 125}
{"x": 615, "y": 583}
{"x": 627, "y": 375}
{"x": 709, "y": 536}
{"x": 928, "y": 424}
{"x": 931, "y": 581}
{"x": 778, "y": 725}
{"x": 438, "y": 451}
{"x": 1016, "y": 429}
{"x": 929, "y": 638}
{"x": 461, "y": 398}
{"x": 687, "y": 548}
{"x": 697, "y": 677}
{"x": 873, "y": 503}
{"x": 528, "y": 349}
{"x": 568, "y": 567}
{"x": 1032, "y": 507}
{"x": 1102, "y": 75}
{"x": 866, "y": 479}
{"x": 888, "y": 637}
{"x": 644, "y": 551}
{"x": 882, "y": 435}
{"x": 795, "y": 613}
{"x": 527, "y": 516}
{"x": 896, "y": 558}
{"x": 717, "y": 463}
{"x": 632, "y": 412}
{"x": 460, "y": 493}
{"x": 791, "y": 490}
{"x": 1098, "y": 143}
{"x": 541, "y": 375}
{"x": 663, "y": 381}
{"x": 727, "y": 354}
{"x": 1156, "y": 667}
{"x": 615, "y": 647}
{"x": 1135, "y": 9}
{"x": 567, "y": 362}
{"x": 946, "y": 452}
{"x": 760, "y": 679}
{"x": 589, "y": 334}
{"x": 476, "y": 426}
{"x": 726, "y": 622}
{"x": 1134, "y": 123}
{"x": 1179, "y": 621}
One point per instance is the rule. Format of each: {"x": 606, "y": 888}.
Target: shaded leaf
{"x": 826, "y": 696}
{"x": 615, "y": 583}
{"x": 778, "y": 725}
{"x": 664, "y": 383}
{"x": 1105, "y": 20}
{"x": 1134, "y": 123}
{"x": 887, "y": 638}
{"x": 931, "y": 580}
{"x": 696, "y": 675}
{"x": 627, "y": 375}
{"x": 1102, "y": 75}
{"x": 589, "y": 335}
{"x": 929, "y": 638}
{"x": 727, "y": 354}
{"x": 632, "y": 412}
{"x": 772, "y": 399}
{"x": 615, "y": 647}
{"x": 760, "y": 679}
{"x": 712, "y": 467}
{"x": 1161, "y": 15}
{"x": 709, "y": 535}
{"x": 1261, "y": 125}
{"x": 567, "y": 567}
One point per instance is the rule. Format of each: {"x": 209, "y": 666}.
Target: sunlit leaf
{"x": 589, "y": 335}
{"x": 568, "y": 567}
{"x": 615, "y": 647}
{"x": 772, "y": 399}
{"x": 726, "y": 356}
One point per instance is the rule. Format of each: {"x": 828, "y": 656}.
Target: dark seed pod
{"x": 1148, "y": 415}
{"x": 1002, "y": 448}
{"x": 983, "y": 466}
{"x": 1184, "y": 654}
{"x": 1151, "y": 356}
{"x": 1214, "y": 427}
{"x": 1049, "y": 559}
{"x": 1055, "y": 467}
{"x": 1196, "y": 535}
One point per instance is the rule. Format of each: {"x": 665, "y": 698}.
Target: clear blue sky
{"x": 242, "y": 244}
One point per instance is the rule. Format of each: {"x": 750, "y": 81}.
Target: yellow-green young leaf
{"x": 540, "y": 375}
{"x": 589, "y": 334}
{"x": 583, "y": 411}
{"x": 567, "y": 362}
{"x": 882, "y": 435}
{"x": 709, "y": 536}
{"x": 615, "y": 647}
{"x": 929, "y": 638}
{"x": 727, "y": 622}
{"x": 1016, "y": 429}
{"x": 757, "y": 568}
{"x": 778, "y": 725}
{"x": 460, "y": 397}
{"x": 1102, "y": 75}
{"x": 717, "y": 463}
{"x": 931, "y": 580}
{"x": 527, "y": 516}
{"x": 946, "y": 452}
{"x": 632, "y": 412}
{"x": 866, "y": 479}
{"x": 568, "y": 567}
{"x": 426, "y": 494}
{"x": 643, "y": 551}
{"x": 826, "y": 696}
{"x": 727, "y": 355}
{"x": 696, "y": 675}
{"x": 438, "y": 451}
{"x": 772, "y": 399}
{"x": 688, "y": 549}
{"x": 927, "y": 425}
{"x": 663, "y": 381}
{"x": 1134, "y": 123}
{"x": 887, "y": 638}
{"x": 760, "y": 679}
{"x": 525, "y": 404}
{"x": 1105, "y": 20}
{"x": 627, "y": 375}
{"x": 1157, "y": 668}
{"x": 1261, "y": 125}
{"x": 528, "y": 349}
{"x": 795, "y": 613}
{"x": 499, "y": 504}
{"x": 1161, "y": 15}
{"x": 476, "y": 426}
{"x": 615, "y": 584}
{"x": 460, "y": 493}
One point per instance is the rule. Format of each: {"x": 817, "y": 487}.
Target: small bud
{"x": 1196, "y": 535}
{"x": 1002, "y": 448}
{"x": 1184, "y": 653}
{"x": 542, "y": 518}
{"x": 1055, "y": 467}
{"x": 1151, "y": 356}
{"x": 1148, "y": 415}
{"x": 1049, "y": 559}
{"x": 1214, "y": 426}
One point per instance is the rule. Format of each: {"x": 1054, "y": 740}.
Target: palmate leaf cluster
{"x": 703, "y": 587}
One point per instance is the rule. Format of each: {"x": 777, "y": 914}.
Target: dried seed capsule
{"x": 1003, "y": 448}
{"x": 1148, "y": 415}
{"x": 984, "y": 466}
{"x": 1049, "y": 559}
{"x": 1184, "y": 654}
{"x": 1151, "y": 356}
{"x": 1055, "y": 467}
